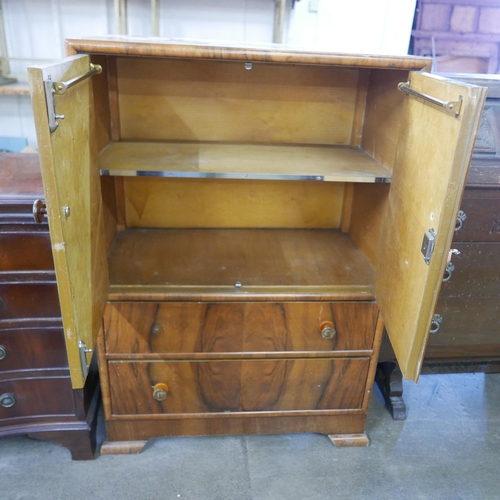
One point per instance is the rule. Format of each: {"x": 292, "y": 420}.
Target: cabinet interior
{"x": 241, "y": 181}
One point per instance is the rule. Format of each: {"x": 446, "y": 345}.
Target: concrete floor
{"x": 448, "y": 448}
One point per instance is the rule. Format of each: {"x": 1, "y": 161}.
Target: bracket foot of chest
{"x": 122, "y": 447}
{"x": 360, "y": 439}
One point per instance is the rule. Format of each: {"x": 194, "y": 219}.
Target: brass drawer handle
{"x": 3, "y": 352}
{"x": 39, "y": 211}
{"x": 327, "y": 329}
{"x": 436, "y": 323}
{"x": 160, "y": 392}
{"x": 448, "y": 271}
{"x": 460, "y": 220}
{"x": 7, "y": 400}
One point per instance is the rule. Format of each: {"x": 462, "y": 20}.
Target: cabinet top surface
{"x": 169, "y": 47}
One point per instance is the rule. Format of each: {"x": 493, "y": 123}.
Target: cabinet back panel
{"x": 221, "y": 101}
{"x": 225, "y": 203}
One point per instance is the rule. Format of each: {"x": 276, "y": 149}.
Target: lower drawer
{"x": 32, "y": 348}
{"x": 36, "y": 397}
{"x": 238, "y": 386}
{"x": 467, "y": 321}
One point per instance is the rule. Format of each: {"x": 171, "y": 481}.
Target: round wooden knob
{"x": 160, "y": 392}
{"x": 327, "y": 329}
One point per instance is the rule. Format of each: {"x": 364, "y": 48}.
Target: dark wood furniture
{"x": 464, "y": 333}
{"x": 234, "y": 226}
{"x": 36, "y": 397}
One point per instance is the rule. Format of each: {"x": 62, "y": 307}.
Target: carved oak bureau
{"x": 233, "y": 227}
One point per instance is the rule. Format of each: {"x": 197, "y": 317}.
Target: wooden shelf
{"x": 197, "y": 264}
{"x": 241, "y": 161}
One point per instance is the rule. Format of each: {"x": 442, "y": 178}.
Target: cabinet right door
{"x": 432, "y": 160}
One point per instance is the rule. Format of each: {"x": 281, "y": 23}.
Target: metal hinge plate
{"x": 82, "y": 346}
{"x": 428, "y": 245}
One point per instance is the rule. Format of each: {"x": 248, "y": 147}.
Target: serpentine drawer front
{"x": 26, "y": 251}
{"x": 29, "y": 300}
{"x": 176, "y": 327}
{"x": 26, "y": 348}
{"x": 31, "y": 397}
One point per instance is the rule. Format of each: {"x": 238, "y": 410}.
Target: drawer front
{"x": 475, "y": 272}
{"x": 31, "y": 349}
{"x": 482, "y": 220}
{"x": 146, "y": 327}
{"x": 467, "y": 321}
{"x": 29, "y": 300}
{"x": 25, "y": 252}
{"x": 238, "y": 386}
{"x": 36, "y": 396}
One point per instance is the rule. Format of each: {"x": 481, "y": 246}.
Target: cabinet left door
{"x": 68, "y": 158}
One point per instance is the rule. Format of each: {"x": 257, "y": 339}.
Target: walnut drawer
{"x": 467, "y": 321}
{"x": 475, "y": 272}
{"x": 36, "y": 397}
{"x": 32, "y": 348}
{"x": 26, "y": 251}
{"x": 185, "y": 327}
{"x": 29, "y": 300}
{"x": 238, "y": 386}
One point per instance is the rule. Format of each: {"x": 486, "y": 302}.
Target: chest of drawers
{"x": 234, "y": 227}
{"x": 36, "y": 396}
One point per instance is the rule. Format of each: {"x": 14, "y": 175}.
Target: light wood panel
{"x": 368, "y": 218}
{"x": 383, "y": 115}
{"x": 68, "y": 158}
{"x": 260, "y": 259}
{"x": 241, "y": 161}
{"x": 222, "y": 101}
{"x": 226, "y": 203}
{"x": 429, "y": 176}
{"x": 238, "y": 386}
{"x": 177, "y": 327}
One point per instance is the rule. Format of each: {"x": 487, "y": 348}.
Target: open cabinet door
{"x": 68, "y": 157}
{"x": 431, "y": 166}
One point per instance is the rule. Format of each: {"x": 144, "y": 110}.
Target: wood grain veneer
{"x": 172, "y": 328}
{"x": 251, "y": 52}
{"x": 238, "y": 386}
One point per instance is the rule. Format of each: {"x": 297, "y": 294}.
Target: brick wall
{"x": 461, "y": 35}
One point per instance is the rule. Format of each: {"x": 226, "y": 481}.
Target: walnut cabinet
{"x": 233, "y": 227}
